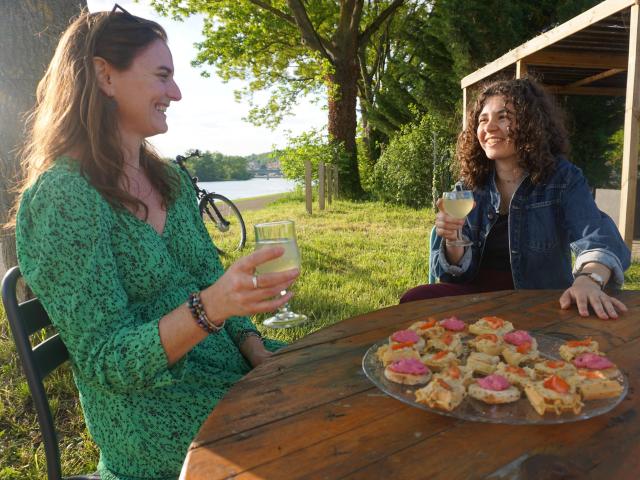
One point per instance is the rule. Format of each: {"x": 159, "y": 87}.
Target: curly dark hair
{"x": 539, "y": 135}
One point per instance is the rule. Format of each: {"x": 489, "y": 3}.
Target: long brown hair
{"x": 73, "y": 115}
{"x": 539, "y": 136}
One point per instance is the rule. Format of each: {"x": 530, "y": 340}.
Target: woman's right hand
{"x": 234, "y": 292}
{"x": 447, "y": 228}
{"x": 446, "y": 225}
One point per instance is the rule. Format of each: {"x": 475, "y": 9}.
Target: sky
{"x": 208, "y": 117}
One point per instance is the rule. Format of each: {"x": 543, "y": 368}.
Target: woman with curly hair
{"x": 532, "y": 209}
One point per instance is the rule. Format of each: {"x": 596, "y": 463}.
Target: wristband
{"x": 248, "y": 332}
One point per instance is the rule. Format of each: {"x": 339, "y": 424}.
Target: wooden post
{"x": 336, "y": 192}
{"x": 321, "y": 185}
{"x": 307, "y": 186}
{"x": 630, "y": 142}
{"x": 521, "y": 69}
{"x": 464, "y": 108}
{"x": 329, "y": 184}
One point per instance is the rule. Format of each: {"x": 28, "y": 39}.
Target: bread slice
{"x": 594, "y": 385}
{"x": 442, "y": 394}
{"x": 439, "y": 360}
{"x": 406, "y": 378}
{"x": 387, "y": 355}
{"x": 488, "y": 343}
{"x": 548, "y": 367}
{"x": 544, "y": 400}
{"x": 482, "y": 363}
{"x": 427, "y": 328}
{"x": 451, "y": 342}
{"x": 494, "y": 397}
{"x": 573, "y": 348}
{"x": 491, "y": 325}
{"x": 518, "y": 376}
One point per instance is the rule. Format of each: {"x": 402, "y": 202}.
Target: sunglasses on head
{"x": 117, "y": 7}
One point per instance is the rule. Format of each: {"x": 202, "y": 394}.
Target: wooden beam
{"x": 629, "y": 177}
{"x": 567, "y": 90}
{"x": 561, "y": 58}
{"x": 464, "y": 108}
{"x": 591, "y": 16}
{"x": 521, "y": 69}
{"x": 596, "y": 77}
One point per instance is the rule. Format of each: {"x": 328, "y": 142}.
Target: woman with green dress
{"x": 109, "y": 237}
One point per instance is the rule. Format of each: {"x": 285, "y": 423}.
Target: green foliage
{"x": 593, "y": 122}
{"x": 314, "y": 146}
{"x": 214, "y": 166}
{"x": 413, "y": 170}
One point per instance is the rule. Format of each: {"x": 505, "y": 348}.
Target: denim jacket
{"x": 546, "y": 222}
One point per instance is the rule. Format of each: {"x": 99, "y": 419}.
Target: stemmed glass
{"x": 280, "y": 234}
{"x": 458, "y": 204}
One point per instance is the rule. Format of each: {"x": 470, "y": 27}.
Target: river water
{"x": 254, "y": 187}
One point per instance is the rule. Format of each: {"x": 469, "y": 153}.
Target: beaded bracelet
{"x": 197, "y": 311}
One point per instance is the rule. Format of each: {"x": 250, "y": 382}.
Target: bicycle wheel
{"x": 224, "y": 222}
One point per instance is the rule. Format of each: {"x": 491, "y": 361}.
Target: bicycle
{"x": 229, "y": 232}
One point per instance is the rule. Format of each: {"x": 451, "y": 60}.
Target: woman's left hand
{"x": 585, "y": 292}
{"x": 253, "y": 350}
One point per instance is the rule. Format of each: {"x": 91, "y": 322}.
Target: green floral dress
{"x": 106, "y": 278}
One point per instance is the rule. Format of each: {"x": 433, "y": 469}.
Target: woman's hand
{"x": 585, "y": 292}
{"x": 234, "y": 293}
{"x": 447, "y": 228}
{"x": 253, "y": 350}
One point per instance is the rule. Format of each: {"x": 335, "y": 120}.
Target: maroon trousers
{"x": 486, "y": 281}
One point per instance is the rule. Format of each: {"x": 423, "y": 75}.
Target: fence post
{"x": 307, "y": 186}
{"x": 321, "y": 185}
{"x": 336, "y": 190}
{"x": 329, "y": 184}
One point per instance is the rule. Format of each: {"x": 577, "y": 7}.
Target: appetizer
{"x": 408, "y": 372}
{"x": 494, "y": 389}
{"x": 491, "y": 325}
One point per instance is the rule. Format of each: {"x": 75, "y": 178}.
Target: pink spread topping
{"x": 494, "y": 382}
{"x": 592, "y": 361}
{"x": 453, "y": 323}
{"x": 410, "y": 366}
{"x": 405, "y": 336}
{"x": 517, "y": 337}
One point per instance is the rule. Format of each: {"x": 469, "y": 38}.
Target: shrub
{"x": 414, "y": 168}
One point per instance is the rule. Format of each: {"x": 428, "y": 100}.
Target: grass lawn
{"x": 357, "y": 257}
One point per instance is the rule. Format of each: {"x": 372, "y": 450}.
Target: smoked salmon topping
{"x": 440, "y": 355}
{"x": 429, "y": 323}
{"x": 488, "y": 336}
{"x": 454, "y": 371}
{"x": 557, "y": 384}
{"x": 399, "y": 346}
{"x": 524, "y": 348}
{"x": 447, "y": 338}
{"x": 444, "y": 384}
{"x": 516, "y": 370}
{"x": 593, "y": 374}
{"x": 554, "y": 363}
{"x": 493, "y": 322}
{"x": 579, "y": 343}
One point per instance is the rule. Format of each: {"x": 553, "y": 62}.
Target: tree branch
{"x": 275, "y": 11}
{"x": 379, "y": 20}
{"x": 309, "y": 34}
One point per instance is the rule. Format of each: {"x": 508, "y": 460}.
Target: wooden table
{"x": 311, "y": 413}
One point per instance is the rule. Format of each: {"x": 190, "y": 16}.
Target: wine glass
{"x": 280, "y": 234}
{"x": 458, "y": 204}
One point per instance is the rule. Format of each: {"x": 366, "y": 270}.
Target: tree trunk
{"x": 29, "y": 32}
{"x": 343, "y": 94}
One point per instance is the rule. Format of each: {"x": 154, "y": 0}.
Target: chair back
{"x": 26, "y": 319}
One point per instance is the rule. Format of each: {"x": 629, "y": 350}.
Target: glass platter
{"x": 516, "y": 413}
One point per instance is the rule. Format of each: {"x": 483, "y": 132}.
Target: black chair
{"x": 25, "y": 319}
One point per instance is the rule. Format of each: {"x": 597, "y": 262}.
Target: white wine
{"x": 289, "y": 259}
{"x": 458, "y": 207}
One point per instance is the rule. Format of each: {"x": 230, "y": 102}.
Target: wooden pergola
{"x": 595, "y": 53}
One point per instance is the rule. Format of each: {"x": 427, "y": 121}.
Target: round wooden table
{"x": 310, "y": 412}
